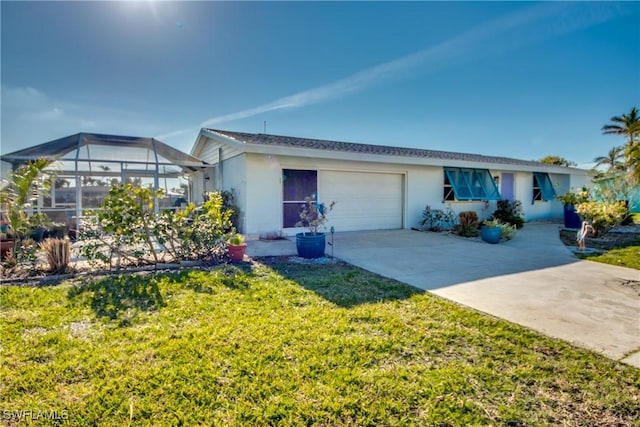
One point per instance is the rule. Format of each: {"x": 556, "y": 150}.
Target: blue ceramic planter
{"x": 490, "y": 234}
{"x": 310, "y": 245}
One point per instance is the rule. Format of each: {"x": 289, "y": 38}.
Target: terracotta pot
{"x": 236, "y": 252}
{"x": 5, "y": 245}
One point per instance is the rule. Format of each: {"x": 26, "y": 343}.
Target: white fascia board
{"x": 423, "y": 161}
{"x": 197, "y": 146}
{"x": 205, "y": 135}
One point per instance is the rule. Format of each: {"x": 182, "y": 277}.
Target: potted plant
{"x": 236, "y": 247}
{"x": 570, "y": 200}
{"x": 6, "y": 243}
{"x": 313, "y": 216}
{"x": 491, "y": 231}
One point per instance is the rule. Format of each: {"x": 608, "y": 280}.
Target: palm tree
{"x": 626, "y": 124}
{"x": 613, "y": 160}
{"x": 632, "y": 155}
{"x": 629, "y": 126}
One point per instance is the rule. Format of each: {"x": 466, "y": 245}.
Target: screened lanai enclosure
{"x": 84, "y": 166}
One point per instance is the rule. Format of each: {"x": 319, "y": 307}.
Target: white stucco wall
{"x": 257, "y": 182}
{"x": 540, "y": 209}
{"x": 197, "y": 187}
{"x": 234, "y": 177}
{"x": 263, "y": 214}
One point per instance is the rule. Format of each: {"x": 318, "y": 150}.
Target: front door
{"x": 296, "y": 185}
{"x": 506, "y": 187}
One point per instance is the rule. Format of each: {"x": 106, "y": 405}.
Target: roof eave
{"x": 405, "y": 160}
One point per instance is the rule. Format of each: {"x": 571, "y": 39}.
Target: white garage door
{"x": 364, "y": 201}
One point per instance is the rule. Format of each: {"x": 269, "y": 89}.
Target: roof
{"x": 60, "y": 148}
{"x": 351, "y": 147}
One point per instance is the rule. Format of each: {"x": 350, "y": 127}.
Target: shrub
{"x": 123, "y": 227}
{"x": 229, "y": 204}
{"x": 437, "y": 219}
{"x": 58, "y": 253}
{"x": 507, "y": 231}
{"x": 468, "y": 218}
{"x": 603, "y": 216}
{"x": 128, "y": 229}
{"x": 509, "y": 212}
{"x": 202, "y": 233}
{"x": 468, "y": 224}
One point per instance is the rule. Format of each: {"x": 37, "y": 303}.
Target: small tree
{"x": 312, "y": 215}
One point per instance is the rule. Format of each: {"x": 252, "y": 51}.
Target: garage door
{"x": 364, "y": 201}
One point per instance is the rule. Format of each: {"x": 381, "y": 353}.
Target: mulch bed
{"x": 619, "y": 238}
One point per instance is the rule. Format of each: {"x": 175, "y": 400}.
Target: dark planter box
{"x": 310, "y": 245}
{"x": 571, "y": 218}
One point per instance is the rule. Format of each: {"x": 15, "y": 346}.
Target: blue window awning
{"x": 472, "y": 184}
{"x": 545, "y": 185}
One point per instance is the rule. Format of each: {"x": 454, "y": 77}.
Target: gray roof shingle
{"x": 319, "y": 144}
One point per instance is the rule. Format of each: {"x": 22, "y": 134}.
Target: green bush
{"x": 229, "y": 204}
{"x": 602, "y": 216}
{"x": 122, "y": 229}
{"x": 204, "y": 234}
{"x": 128, "y": 231}
{"x": 509, "y": 212}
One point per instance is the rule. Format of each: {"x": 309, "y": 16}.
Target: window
{"x": 296, "y": 185}
{"x": 542, "y": 187}
{"x": 469, "y": 184}
{"x": 448, "y": 190}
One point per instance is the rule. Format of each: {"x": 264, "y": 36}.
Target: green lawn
{"x": 624, "y": 257}
{"x": 289, "y": 344}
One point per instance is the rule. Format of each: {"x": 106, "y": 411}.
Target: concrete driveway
{"x": 533, "y": 280}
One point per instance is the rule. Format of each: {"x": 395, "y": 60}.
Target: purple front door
{"x": 506, "y": 187}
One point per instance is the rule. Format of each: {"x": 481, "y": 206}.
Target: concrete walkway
{"x": 533, "y": 280}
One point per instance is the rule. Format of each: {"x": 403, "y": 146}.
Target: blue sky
{"x": 515, "y": 79}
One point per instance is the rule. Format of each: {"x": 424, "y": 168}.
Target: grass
{"x": 621, "y": 249}
{"x": 289, "y": 344}
{"x": 624, "y": 257}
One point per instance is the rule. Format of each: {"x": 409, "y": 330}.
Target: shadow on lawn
{"x": 124, "y": 295}
{"x": 343, "y": 284}
{"x": 114, "y": 295}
